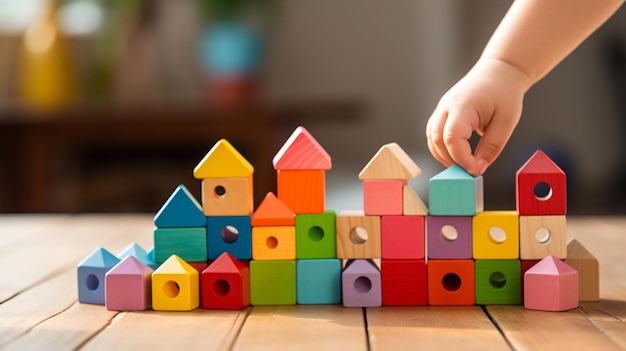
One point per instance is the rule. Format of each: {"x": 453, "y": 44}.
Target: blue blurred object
{"x": 230, "y": 49}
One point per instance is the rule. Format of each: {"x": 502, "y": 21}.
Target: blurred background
{"x": 108, "y": 105}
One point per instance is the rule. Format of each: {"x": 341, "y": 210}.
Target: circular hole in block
{"x": 497, "y": 235}
{"x": 229, "y": 234}
{"x": 221, "y": 287}
{"x": 92, "y": 282}
{"x": 271, "y": 242}
{"x": 358, "y": 235}
{"x": 362, "y": 285}
{"x": 542, "y": 191}
{"x": 451, "y": 282}
{"x": 316, "y": 233}
{"x": 448, "y": 233}
{"x": 171, "y": 289}
{"x": 219, "y": 191}
{"x": 497, "y": 280}
{"x": 543, "y": 235}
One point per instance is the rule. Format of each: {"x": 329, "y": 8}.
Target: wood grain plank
{"x": 158, "y": 330}
{"x": 610, "y": 317}
{"x": 303, "y": 327}
{"x": 433, "y": 328}
{"x": 538, "y": 330}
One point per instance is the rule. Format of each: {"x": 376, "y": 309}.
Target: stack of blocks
{"x": 223, "y": 254}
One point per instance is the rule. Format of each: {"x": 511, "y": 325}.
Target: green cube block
{"x": 188, "y": 243}
{"x": 498, "y": 282}
{"x": 454, "y": 192}
{"x": 318, "y": 281}
{"x": 272, "y": 282}
{"x": 316, "y": 235}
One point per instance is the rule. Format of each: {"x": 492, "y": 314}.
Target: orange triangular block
{"x": 412, "y": 204}
{"x": 390, "y": 162}
{"x": 223, "y": 161}
{"x": 272, "y": 212}
{"x": 302, "y": 152}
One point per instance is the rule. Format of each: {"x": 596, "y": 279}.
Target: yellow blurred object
{"x": 45, "y": 80}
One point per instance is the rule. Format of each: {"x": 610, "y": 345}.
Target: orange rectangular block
{"x": 302, "y": 191}
{"x": 451, "y": 282}
{"x": 274, "y": 243}
{"x": 227, "y": 196}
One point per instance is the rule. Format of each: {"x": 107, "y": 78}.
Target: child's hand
{"x": 487, "y": 100}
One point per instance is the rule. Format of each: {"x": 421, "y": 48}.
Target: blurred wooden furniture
{"x": 94, "y": 159}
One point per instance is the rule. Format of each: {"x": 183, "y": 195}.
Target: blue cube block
{"x": 454, "y": 192}
{"x": 232, "y": 234}
{"x": 318, "y": 281}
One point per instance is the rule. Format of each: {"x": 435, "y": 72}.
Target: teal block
{"x": 181, "y": 210}
{"x": 232, "y": 234}
{"x": 318, "y": 281}
{"x": 316, "y": 235}
{"x": 454, "y": 192}
{"x": 272, "y": 282}
{"x": 190, "y": 244}
{"x": 498, "y": 282}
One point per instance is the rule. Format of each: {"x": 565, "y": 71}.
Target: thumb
{"x": 490, "y": 146}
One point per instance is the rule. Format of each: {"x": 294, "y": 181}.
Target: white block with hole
{"x": 542, "y": 236}
{"x": 495, "y": 235}
{"x": 358, "y": 235}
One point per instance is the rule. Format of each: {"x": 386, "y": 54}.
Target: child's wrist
{"x": 504, "y": 71}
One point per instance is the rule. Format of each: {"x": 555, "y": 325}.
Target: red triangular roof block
{"x": 539, "y": 162}
{"x": 225, "y": 263}
{"x": 302, "y": 152}
{"x": 272, "y": 212}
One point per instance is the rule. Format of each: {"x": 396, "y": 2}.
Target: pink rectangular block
{"x": 402, "y": 237}
{"x": 128, "y": 286}
{"x": 383, "y": 197}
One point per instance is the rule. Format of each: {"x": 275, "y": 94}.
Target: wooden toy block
{"x": 175, "y": 286}
{"x": 541, "y": 236}
{"x": 273, "y": 243}
{"x": 390, "y": 162}
{"x": 227, "y": 196}
{"x": 383, "y": 197}
{"x": 361, "y": 284}
{"x": 551, "y": 285}
{"x": 579, "y": 258}
{"x": 188, "y": 243}
{"x": 402, "y": 237}
{"x": 232, "y": 234}
{"x": 139, "y": 253}
{"x": 498, "y": 282}
{"x": 150, "y": 253}
{"x": 449, "y": 237}
{"x": 526, "y": 265}
{"x": 223, "y": 161}
{"x": 318, "y": 282}
{"x": 91, "y": 272}
{"x": 199, "y": 266}
{"x": 451, "y": 282}
{"x": 495, "y": 235}
{"x": 404, "y": 283}
{"x": 541, "y": 187}
{"x": 358, "y": 235}
{"x": 272, "y": 212}
{"x": 225, "y": 284}
{"x": 412, "y": 204}
{"x": 316, "y": 235}
{"x": 128, "y": 286}
{"x": 454, "y": 192}
{"x": 302, "y": 191}
{"x": 272, "y": 282}
{"x": 302, "y": 152}
{"x": 180, "y": 210}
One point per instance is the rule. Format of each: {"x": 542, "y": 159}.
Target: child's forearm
{"x": 535, "y": 35}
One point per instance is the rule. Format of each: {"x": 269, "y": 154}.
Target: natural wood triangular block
{"x": 390, "y": 162}
{"x": 412, "y": 204}
{"x": 588, "y": 271}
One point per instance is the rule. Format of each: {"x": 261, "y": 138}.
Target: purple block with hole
{"x": 128, "y": 286}
{"x": 232, "y": 234}
{"x": 361, "y": 285}
{"x": 449, "y": 237}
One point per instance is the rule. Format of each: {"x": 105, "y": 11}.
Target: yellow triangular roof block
{"x": 223, "y": 161}
{"x": 390, "y": 162}
{"x": 176, "y": 265}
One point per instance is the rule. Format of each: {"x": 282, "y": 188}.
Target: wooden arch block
{"x": 91, "y": 276}
{"x": 302, "y": 152}
{"x": 579, "y": 258}
{"x": 383, "y": 197}
{"x": 223, "y": 161}
{"x": 180, "y": 210}
{"x": 272, "y": 212}
{"x": 454, "y": 192}
{"x": 225, "y": 284}
{"x": 495, "y": 235}
{"x": 551, "y": 285}
{"x": 451, "y": 282}
{"x": 175, "y": 286}
{"x": 358, "y": 235}
{"x": 361, "y": 284}
{"x": 541, "y": 236}
{"x": 390, "y": 162}
{"x": 541, "y": 187}
{"x": 449, "y": 237}
{"x": 274, "y": 243}
{"x": 128, "y": 286}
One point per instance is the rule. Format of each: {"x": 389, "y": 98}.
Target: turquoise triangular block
{"x": 181, "y": 210}
{"x": 99, "y": 258}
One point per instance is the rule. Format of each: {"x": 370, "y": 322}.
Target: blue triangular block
{"x": 99, "y": 258}
{"x": 181, "y": 210}
{"x": 136, "y": 251}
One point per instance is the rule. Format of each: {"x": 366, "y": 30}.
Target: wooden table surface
{"x": 39, "y": 308}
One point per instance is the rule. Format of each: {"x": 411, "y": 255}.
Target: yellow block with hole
{"x": 274, "y": 243}
{"x": 495, "y": 235}
{"x": 175, "y": 286}
{"x": 358, "y": 235}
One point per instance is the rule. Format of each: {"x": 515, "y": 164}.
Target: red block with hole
{"x": 404, "y": 282}
{"x": 541, "y": 187}
{"x": 225, "y": 284}
{"x": 451, "y": 282}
